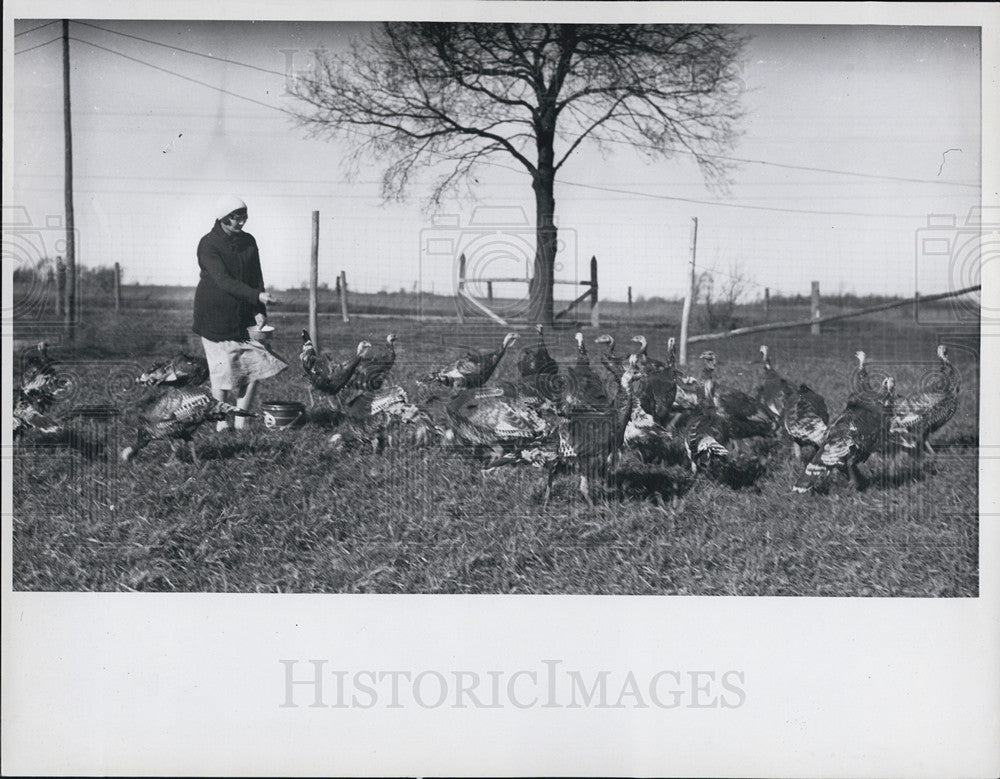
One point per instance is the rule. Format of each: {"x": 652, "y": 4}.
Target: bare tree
{"x": 721, "y": 291}
{"x": 418, "y": 95}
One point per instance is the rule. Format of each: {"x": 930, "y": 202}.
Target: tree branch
{"x": 417, "y": 95}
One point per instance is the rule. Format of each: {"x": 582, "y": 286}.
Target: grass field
{"x": 282, "y": 511}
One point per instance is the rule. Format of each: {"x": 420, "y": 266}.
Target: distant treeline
{"x": 96, "y": 290}
{"x": 845, "y": 300}
{"x": 100, "y": 278}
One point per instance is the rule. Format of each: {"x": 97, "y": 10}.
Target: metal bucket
{"x": 261, "y": 334}
{"x": 283, "y": 414}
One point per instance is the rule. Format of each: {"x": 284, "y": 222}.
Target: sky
{"x": 853, "y": 137}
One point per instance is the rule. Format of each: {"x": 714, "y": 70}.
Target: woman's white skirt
{"x": 232, "y": 365}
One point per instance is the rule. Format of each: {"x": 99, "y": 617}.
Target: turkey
{"x": 535, "y": 360}
{"x": 861, "y": 381}
{"x": 706, "y": 433}
{"x": 36, "y": 393}
{"x": 647, "y": 363}
{"x": 182, "y": 370}
{"x": 583, "y": 390}
{"x": 31, "y": 406}
{"x": 540, "y": 383}
{"x": 373, "y": 367}
{"x": 410, "y": 425}
{"x": 805, "y": 420}
{"x": 35, "y": 362}
{"x": 474, "y": 368}
{"x": 177, "y": 415}
{"x": 918, "y": 415}
{"x": 588, "y": 441}
{"x": 497, "y": 420}
{"x": 745, "y": 415}
{"x": 860, "y": 429}
{"x": 584, "y": 442}
{"x": 38, "y": 372}
{"x": 688, "y": 389}
{"x": 324, "y": 375}
{"x": 775, "y": 392}
{"x": 686, "y": 397}
{"x": 385, "y": 417}
{"x": 659, "y": 392}
{"x": 800, "y": 411}
{"x": 612, "y": 364}
{"x": 672, "y": 356}
{"x": 643, "y": 433}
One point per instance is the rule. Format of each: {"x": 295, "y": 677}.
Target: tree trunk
{"x": 541, "y": 303}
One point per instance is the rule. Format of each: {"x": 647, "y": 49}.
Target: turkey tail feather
{"x": 813, "y": 476}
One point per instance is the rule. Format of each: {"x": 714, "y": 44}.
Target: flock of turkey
{"x": 577, "y": 420}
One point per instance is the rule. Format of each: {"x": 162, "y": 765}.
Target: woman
{"x": 230, "y": 299}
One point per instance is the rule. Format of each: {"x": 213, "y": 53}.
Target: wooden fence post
{"x": 460, "y": 303}
{"x": 916, "y": 306}
{"x": 60, "y": 286}
{"x": 630, "y": 318}
{"x": 343, "y": 297}
{"x": 118, "y": 287}
{"x": 689, "y": 298}
{"x": 73, "y": 301}
{"x": 314, "y": 283}
{"x": 767, "y": 303}
{"x": 814, "y": 328}
{"x": 489, "y": 290}
{"x": 595, "y": 313}
{"x": 70, "y": 309}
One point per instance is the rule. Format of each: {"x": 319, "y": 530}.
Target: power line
{"x": 185, "y": 51}
{"x": 374, "y": 197}
{"x": 567, "y": 183}
{"x": 150, "y": 114}
{"x": 345, "y": 196}
{"x": 843, "y": 172}
{"x": 736, "y": 205}
{"x": 190, "y": 180}
{"x": 373, "y": 182}
{"x": 788, "y": 166}
{"x": 186, "y": 78}
{"x": 34, "y": 29}
{"x": 745, "y": 160}
{"x": 38, "y": 46}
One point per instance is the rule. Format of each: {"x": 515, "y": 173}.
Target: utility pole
{"x": 71, "y": 274}
{"x": 689, "y": 298}
{"x": 814, "y": 306}
{"x": 314, "y": 283}
{"x": 118, "y": 287}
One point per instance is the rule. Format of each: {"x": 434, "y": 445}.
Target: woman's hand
{"x": 261, "y": 320}
{"x": 266, "y": 297}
